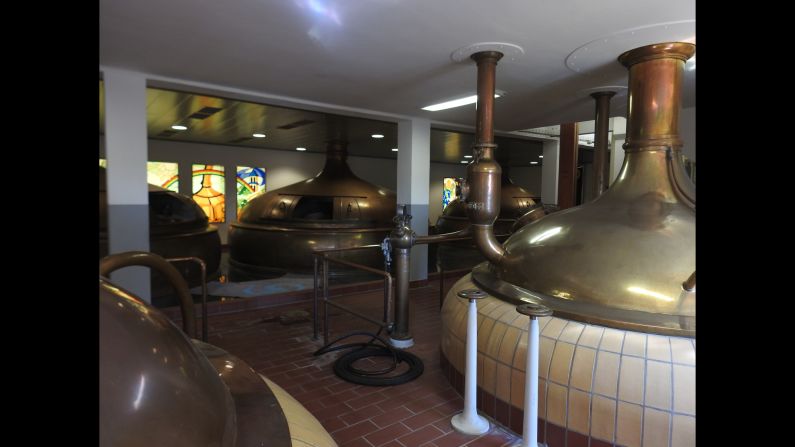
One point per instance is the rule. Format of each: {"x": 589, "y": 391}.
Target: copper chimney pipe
{"x": 601, "y": 130}
{"x": 482, "y": 189}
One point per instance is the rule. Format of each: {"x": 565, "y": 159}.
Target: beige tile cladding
{"x": 638, "y": 389}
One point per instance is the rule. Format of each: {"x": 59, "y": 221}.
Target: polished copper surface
{"x": 113, "y": 262}
{"x": 158, "y": 388}
{"x": 483, "y": 185}
{"x": 533, "y": 310}
{"x": 155, "y": 388}
{"x": 621, "y": 259}
{"x": 517, "y": 208}
{"x": 278, "y": 231}
{"x": 177, "y": 228}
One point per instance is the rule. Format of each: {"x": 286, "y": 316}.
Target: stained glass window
{"x": 208, "y": 190}
{"x": 451, "y": 190}
{"x": 163, "y": 174}
{"x": 103, "y": 163}
{"x": 250, "y": 181}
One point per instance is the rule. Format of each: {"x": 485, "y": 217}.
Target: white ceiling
{"x": 394, "y": 56}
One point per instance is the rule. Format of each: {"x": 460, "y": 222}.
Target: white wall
{"x": 286, "y": 167}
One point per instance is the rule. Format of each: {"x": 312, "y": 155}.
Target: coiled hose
{"x": 345, "y": 370}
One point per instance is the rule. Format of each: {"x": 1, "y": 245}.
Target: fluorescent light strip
{"x": 455, "y": 103}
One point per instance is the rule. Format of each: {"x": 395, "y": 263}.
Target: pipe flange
{"x": 509, "y": 50}
{"x": 472, "y": 294}
{"x": 533, "y": 310}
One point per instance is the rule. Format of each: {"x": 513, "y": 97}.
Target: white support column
{"x": 128, "y": 193}
{"x": 549, "y": 173}
{"x": 619, "y": 126}
{"x": 413, "y": 171}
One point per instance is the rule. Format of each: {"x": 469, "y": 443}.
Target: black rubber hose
{"x": 345, "y": 370}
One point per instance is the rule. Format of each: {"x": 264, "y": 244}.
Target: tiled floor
{"x": 410, "y": 415}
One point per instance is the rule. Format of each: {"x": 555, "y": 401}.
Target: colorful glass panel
{"x": 250, "y": 181}
{"x": 163, "y": 174}
{"x": 451, "y": 190}
{"x": 209, "y": 190}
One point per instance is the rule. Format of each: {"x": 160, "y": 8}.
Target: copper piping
{"x": 203, "y": 268}
{"x": 602, "y": 128}
{"x": 690, "y": 284}
{"x": 484, "y": 174}
{"x": 116, "y": 261}
{"x": 534, "y": 214}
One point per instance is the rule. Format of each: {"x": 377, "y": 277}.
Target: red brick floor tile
{"x": 428, "y": 433}
{"x": 352, "y": 432}
{"x": 362, "y": 414}
{"x": 420, "y": 420}
{"x": 412, "y": 414}
{"x": 392, "y": 416}
{"x": 387, "y": 434}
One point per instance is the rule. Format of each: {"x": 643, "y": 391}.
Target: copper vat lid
{"x": 621, "y": 259}
{"x": 169, "y": 212}
{"x": 155, "y": 388}
{"x": 334, "y": 198}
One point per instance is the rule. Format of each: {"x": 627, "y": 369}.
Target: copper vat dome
{"x": 515, "y": 202}
{"x": 159, "y": 388}
{"x": 277, "y": 231}
{"x": 177, "y": 228}
{"x": 621, "y": 259}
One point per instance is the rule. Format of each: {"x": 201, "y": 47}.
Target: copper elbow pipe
{"x": 116, "y": 261}
{"x": 531, "y": 216}
{"x": 484, "y": 175}
{"x": 690, "y": 284}
{"x": 433, "y": 238}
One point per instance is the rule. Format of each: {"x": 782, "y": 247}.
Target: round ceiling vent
{"x": 509, "y": 50}
{"x": 605, "y": 50}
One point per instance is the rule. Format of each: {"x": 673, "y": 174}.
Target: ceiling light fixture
{"x": 377, "y": 135}
{"x": 467, "y": 156}
{"x": 533, "y": 162}
{"x": 300, "y": 149}
{"x": 258, "y": 135}
{"x": 394, "y": 149}
{"x": 464, "y": 161}
{"x": 179, "y": 127}
{"x": 540, "y": 156}
{"x": 456, "y": 103}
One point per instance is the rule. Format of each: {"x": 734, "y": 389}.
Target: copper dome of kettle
{"x": 177, "y": 228}
{"x": 620, "y": 260}
{"x": 277, "y": 231}
{"x": 515, "y": 202}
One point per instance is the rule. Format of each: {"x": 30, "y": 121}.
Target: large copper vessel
{"x": 515, "y": 202}
{"x": 177, "y": 228}
{"x": 617, "y": 357}
{"x": 621, "y": 259}
{"x": 159, "y": 388}
{"x": 277, "y": 231}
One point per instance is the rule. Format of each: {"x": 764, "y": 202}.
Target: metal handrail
{"x": 203, "y": 267}
{"x": 323, "y": 256}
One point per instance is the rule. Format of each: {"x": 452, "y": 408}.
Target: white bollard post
{"x": 469, "y": 422}
{"x": 530, "y": 425}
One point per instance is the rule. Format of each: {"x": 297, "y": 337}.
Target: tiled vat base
{"x": 615, "y": 387}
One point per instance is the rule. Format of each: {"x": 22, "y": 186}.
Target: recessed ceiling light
{"x": 300, "y": 149}
{"x": 467, "y": 156}
{"x": 377, "y": 135}
{"x": 178, "y": 127}
{"x": 455, "y": 103}
{"x": 394, "y": 149}
{"x": 464, "y": 161}
{"x": 533, "y": 162}
{"x": 540, "y": 156}
{"x": 258, "y": 135}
